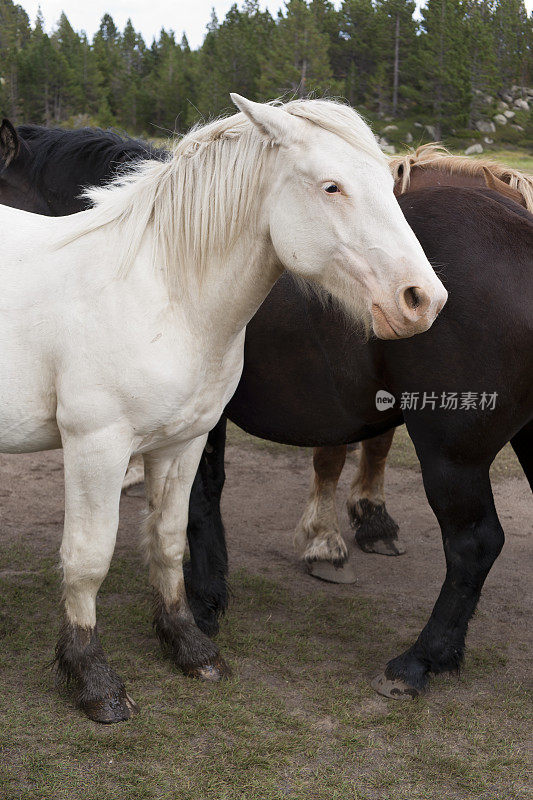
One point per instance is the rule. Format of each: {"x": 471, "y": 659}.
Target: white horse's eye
{"x": 331, "y": 188}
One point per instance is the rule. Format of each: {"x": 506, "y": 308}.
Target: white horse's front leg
{"x": 168, "y": 482}
{"x": 94, "y": 469}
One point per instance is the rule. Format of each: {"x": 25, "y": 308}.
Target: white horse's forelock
{"x": 196, "y": 204}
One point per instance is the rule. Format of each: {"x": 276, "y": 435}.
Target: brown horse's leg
{"x": 317, "y": 536}
{"x": 375, "y": 530}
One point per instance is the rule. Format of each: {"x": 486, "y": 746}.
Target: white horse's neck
{"x": 231, "y": 292}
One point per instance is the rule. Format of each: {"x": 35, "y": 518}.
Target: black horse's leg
{"x": 461, "y": 498}
{"x": 206, "y": 572}
{"x": 522, "y": 444}
{"x": 375, "y": 529}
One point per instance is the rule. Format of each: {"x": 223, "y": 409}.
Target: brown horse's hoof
{"x": 394, "y": 688}
{"x": 384, "y": 547}
{"x": 210, "y": 672}
{"x": 118, "y": 708}
{"x": 325, "y": 571}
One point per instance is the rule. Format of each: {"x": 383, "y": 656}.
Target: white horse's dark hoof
{"x": 109, "y": 710}
{"x": 210, "y": 672}
{"x": 325, "y": 571}
{"x": 394, "y": 688}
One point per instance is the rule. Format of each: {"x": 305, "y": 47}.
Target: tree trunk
{"x": 396, "y": 75}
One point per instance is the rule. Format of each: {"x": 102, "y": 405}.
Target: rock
{"x": 488, "y": 140}
{"x": 485, "y": 126}
{"x": 502, "y": 105}
{"x": 474, "y": 149}
{"x": 431, "y": 129}
{"x": 500, "y": 119}
{"x": 488, "y": 100}
{"x": 518, "y": 128}
{"x": 389, "y": 128}
{"x": 523, "y": 104}
{"x": 509, "y": 114}
{"x": 409, "y": 137}
{"x": 508, "y": 98}
{"x": 388, "y": 148}
{"x": 382, "y": 141}
{"x": 418, "y": 125}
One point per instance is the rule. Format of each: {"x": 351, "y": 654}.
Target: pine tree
{"x": 298, "y": 61}
{"x": 41, "y": 71}
{"x": 444, "y": 63}
{"x": 398, "y": 47}
{"x": 15, "y": 33}
{"x": 510, "y": 23}
{"x": 230, "y": 59}
{"x": 355, "y": 56}
{"x": 108, "y": 63}
{"x": 482, "y": 55}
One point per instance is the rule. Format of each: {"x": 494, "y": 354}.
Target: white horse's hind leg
{"x": 317, "y": 536}
{"x": 168, "y": 481}
{"x": 135, "y": 473}
{"x": 94, "y": 469}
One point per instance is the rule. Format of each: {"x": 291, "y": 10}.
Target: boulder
{"x": 499, "y": 119}
{"x": 389, "y": 128}
{"x": 518, "y": 128}
{"x": 488, "y": 140}
{"x": 409, "y": 137}
{"x": 388, "y": 148}
{"x": 431, "y": 129}
{"x": 509, "y": 114}
{"x": 485, "y": 126}
{"x": 522, "y": 104}
{"x": 474, "y": 149}
{"x": 382, "y": 141}
{"x": 418, "y": 125}
{"x": 502, "y": 105}
{"x": 508, "y": 98}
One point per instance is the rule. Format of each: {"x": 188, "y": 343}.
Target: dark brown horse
{"x": 464, "y": 389}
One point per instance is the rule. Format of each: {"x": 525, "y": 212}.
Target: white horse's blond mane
{"x": 199, "y": 201}
{"x": 436, "y": 155}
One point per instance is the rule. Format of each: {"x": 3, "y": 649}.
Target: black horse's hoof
{"x": 210, "y": 672}
{"x": 394, "y": 688}
{"x": 326, "y": 571}
{"x": 384, "y": 547}
{"x": 108, "y": 710}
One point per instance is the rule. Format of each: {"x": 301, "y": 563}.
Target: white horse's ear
{"x": 272, "y": 121}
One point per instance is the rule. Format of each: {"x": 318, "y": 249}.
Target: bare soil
{"x": 303, "y": 652}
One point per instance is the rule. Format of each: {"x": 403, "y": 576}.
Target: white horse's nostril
{"x": 413, "y": 302}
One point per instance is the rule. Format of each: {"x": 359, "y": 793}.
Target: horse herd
{"x": 275, "y": 231}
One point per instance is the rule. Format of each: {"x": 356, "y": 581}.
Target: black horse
{"x": 464, "y": 389}
{"x": 44, "y": 170}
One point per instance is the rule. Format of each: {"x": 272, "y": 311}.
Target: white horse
{"x": 122, "y": 331}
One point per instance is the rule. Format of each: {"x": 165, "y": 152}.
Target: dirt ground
{"x": 385, "y": 609}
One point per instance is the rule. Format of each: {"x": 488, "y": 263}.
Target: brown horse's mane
{"x": 435, "y": 156}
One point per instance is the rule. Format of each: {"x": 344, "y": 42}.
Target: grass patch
{"x": 297, "y": 720}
